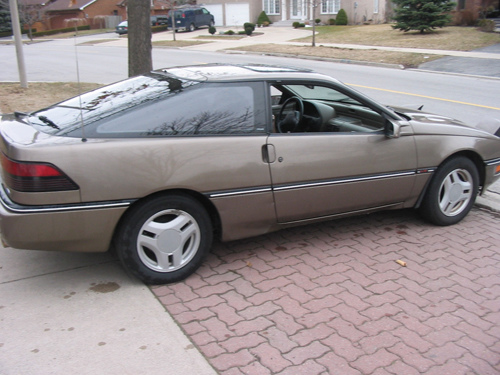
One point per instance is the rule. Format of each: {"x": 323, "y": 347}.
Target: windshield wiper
{"x": 20, "y": 114}
{"x": 23, "y": 114}
{"x": 49, "y": 122}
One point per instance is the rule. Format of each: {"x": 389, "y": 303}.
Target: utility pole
{"x": 16, "y": 28}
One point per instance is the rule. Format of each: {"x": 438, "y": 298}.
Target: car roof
{"x": 235, "y": 72}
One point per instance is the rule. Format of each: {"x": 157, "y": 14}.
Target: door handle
{"x": 268, "y": 153}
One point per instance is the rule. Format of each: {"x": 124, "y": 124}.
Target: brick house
{"x": 96, "y": 13}
{"x": 237, "y": 12}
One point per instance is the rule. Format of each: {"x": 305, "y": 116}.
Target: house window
{"x": 272, "y": 6}
{"x": 375, "y": 6}
{"x": 330, "y": 6}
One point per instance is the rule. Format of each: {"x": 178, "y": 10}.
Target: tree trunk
{"x": 139, "y": 37}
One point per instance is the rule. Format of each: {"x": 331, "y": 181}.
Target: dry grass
{"x": 38, "y": 95}
{"x": 71, "y": 34}
{"x": 97, "y": 41}
{"x": 221, "y": 37}
{"x": 177, "y": 43}
{"x": 408, "y": 60}
{"x": 449, "y": 38}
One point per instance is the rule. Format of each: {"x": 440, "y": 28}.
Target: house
{"x": 95, "y": 13}
{"x": 158, "y": 7}
{"x": 237, "y": 12}
{"x": 468, "y": 11}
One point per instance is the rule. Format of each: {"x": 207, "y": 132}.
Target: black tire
{"x": 164, "y": 239}
{"x": 451, "y": 193}
{"x": 191, "y": 27}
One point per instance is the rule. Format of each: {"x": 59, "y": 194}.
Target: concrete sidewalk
{"x": 64, "y": 313}
{"x": 314, "y": 300}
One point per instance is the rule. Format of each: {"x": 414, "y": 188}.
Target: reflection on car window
{"x": 107, "y": 101}
{"x": 211, "y": 109}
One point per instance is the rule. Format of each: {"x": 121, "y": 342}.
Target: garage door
{"x": 237, "y": 14}
{"x": 216, "y": 10}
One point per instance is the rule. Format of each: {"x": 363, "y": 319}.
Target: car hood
{"x": 429, "y": 123}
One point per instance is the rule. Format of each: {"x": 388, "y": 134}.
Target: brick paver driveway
{"x": 331, "y": 299}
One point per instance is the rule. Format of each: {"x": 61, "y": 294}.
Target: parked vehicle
{"x": 159, "y": 20}
{"x": 158, "y": 165}
{"x": 189, "y": 19}
{"x": 122, "y": 28}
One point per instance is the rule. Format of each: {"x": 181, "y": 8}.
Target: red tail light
{"x": 183, "y": 15}
{"x": 35, "y": 177}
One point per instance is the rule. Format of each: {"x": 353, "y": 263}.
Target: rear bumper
{"x": 80, "y": 228}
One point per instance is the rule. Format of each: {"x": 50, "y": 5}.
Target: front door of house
{"x": 296, "y": 11}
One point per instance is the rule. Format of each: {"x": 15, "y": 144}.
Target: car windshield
{"x": 66, "y": 116}
{"x": 313, "y": 92}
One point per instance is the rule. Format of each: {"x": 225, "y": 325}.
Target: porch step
{"x": 497, "y": 24}
{"x": 284, "y": 23}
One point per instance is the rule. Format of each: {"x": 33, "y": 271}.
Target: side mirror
{"x": 391, "y": 129}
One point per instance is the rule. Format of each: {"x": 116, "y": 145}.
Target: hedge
{"x": 58, "y": 31}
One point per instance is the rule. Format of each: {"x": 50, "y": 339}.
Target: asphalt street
{"x": 467, "y": 65}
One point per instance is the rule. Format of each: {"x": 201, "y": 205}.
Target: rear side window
{"x": 65, "y": 118}
{"x": 207, "y": 109}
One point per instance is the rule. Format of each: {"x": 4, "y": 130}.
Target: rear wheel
{"x": 191, "y": 27}
{"x": 165, "y": 239}
{"x": 452, "y": 192}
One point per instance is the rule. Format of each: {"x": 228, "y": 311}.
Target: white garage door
{"x": 216, "y": 10}
{"x": 237, "y": 14}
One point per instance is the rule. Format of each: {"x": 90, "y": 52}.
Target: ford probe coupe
{"x": 158, "y": 166}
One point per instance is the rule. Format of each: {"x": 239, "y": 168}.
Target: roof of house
{"x": 60, "y": 5}
{"x": 34, "y": 2}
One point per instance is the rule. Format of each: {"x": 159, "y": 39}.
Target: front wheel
{"x": 452, "y": 192}
{"x": 165, "y": 239}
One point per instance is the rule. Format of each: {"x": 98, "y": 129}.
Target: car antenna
{"x": 84, "y": 139}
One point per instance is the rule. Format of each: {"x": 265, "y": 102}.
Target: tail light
{"x": 183, "y": 15}
{"x": 34, "y": 177}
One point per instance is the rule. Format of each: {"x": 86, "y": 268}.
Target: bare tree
{"x": 139, "y": 37}
{"x": 29, "y": 14}
{"x": 314, "y": 4}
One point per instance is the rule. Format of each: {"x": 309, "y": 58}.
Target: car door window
{"x": 321, "y": 109}
{"x": 214, "y": 109}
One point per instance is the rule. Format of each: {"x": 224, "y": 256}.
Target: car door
{"x": 346, "y": 164}
{"x": 206, "y": 17}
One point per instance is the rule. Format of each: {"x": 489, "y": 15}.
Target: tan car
{"x": 158, "y": 165}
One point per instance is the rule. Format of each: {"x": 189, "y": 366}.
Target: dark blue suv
{"x": 189, "y": 19}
